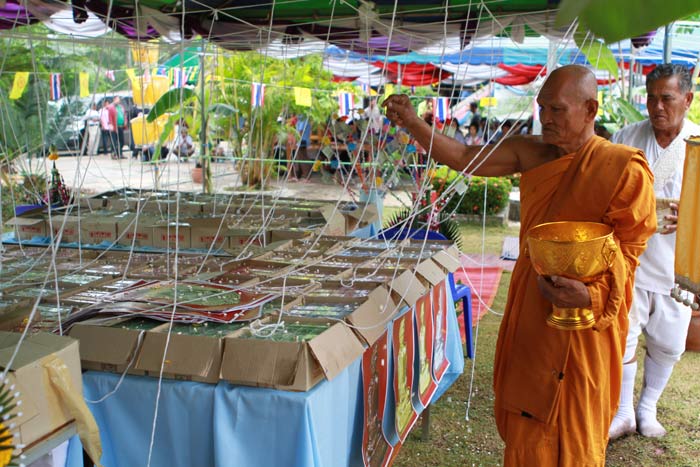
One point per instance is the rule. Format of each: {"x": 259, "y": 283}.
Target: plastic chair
{"x": 464, "y": 292}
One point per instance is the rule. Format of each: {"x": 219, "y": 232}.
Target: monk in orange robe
{"x": 557, "y": 391}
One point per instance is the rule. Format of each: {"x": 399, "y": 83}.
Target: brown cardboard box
{"x": 241, "y": 237}
{"x": 344, "y": 222}
{"x": 26, "y": 227}
{"x": 171, "y": 235}
{"x": 206, "y": 232}
{"x": 43, "y": 412}
{"x": 290, "y": 366}
{"x": 98, "y": 228}
{"x": 448, "y": 259}
{"x": 106, "y": 348}
{"x": 370, "y": 319}
{"x": 69, "y": 224}
{"x": 191, "y": 358}
{"x": 408, "y": 286}
{"x": 132, "y": 231}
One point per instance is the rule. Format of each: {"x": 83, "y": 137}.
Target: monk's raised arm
{"x": 489, "y": 160}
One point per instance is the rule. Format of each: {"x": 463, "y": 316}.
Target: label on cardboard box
{"x": 26, "y": 227}
{"x": 70, "y": 226}
{"x": 98, "y": 229}
{"x": 172, "y": 235}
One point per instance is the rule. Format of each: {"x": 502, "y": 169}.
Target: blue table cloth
{"x": 226, "y": 425}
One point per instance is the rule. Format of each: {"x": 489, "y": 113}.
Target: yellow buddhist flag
{"x": 600, "y": 103}
{"x": 84, "y": 79}
{"x": 302, "y": 96}
{"x": 389, "y": 89}
{"x": 131, "y": 74}
{"x": 488, "y": 102}
{"x": 144, "y": 53}
{"x": 19, "y": 84}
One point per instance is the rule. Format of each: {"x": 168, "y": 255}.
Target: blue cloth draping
{"x": 228, "y": 425}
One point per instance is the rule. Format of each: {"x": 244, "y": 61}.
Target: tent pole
{"x": 203, "y": 124}
{"x": 667, "y": 43}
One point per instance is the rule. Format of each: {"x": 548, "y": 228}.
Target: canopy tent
{"x": 357, "y": 25}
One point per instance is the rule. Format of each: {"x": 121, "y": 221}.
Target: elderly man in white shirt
{"x": 654, "y": 312}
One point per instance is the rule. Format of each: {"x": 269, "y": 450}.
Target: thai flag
{"x": 257, "y": 95}
{"x": 413, "y": 90}
{"x": 441, "y": 108}
{"x": 55, "y": 86}
{"x": 161, "y": 71}
{"x": 110, "y": 75}
{"x": 179, "y": 77}
{"x": 346, "y": 102}
{"x": 366, "y": 88}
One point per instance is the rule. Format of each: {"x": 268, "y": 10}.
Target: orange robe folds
{"x": 557, "y": 391}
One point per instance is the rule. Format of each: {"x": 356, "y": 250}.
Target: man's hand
{"x": 399, "y": 109}
{"x": 563, "y": 292}
{"x": 671, "y": 223}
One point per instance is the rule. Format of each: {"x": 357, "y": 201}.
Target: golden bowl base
{"x": 571, "y": 319}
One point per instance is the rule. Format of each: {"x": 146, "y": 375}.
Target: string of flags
{"x": 346, "y": 102}
{"x": 257, "y": 95}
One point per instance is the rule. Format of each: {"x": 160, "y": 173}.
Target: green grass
{"x": 456, "y": 442}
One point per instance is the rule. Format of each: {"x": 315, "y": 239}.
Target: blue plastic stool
{"x": 465, "y": 293}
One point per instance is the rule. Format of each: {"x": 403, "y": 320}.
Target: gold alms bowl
{"x": 577, "y": 250}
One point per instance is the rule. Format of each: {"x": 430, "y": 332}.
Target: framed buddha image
{"x": 403, "y": 352}
{"x": 376, "y": 450}
{"x": 424, "y": 348}
{"x": 439, "y": 304}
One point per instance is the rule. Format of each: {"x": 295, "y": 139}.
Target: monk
{"x": 557, "y": 391}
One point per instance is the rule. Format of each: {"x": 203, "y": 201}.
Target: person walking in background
{"x": 654, "y": 312}
{"x": 118, "y": 120}
{"x": 92, "y": 130}
{"x": 106, "y": 128}
{"x": 302, "y": 169}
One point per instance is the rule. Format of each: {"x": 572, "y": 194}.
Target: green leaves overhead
{"x": 614, "y": 20}
{"x": 597, "y": 53}
{"x": 171, "y": 100}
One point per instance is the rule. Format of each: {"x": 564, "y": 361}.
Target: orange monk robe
{"x": 557, "y": 391}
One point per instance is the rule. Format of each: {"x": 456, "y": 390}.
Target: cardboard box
{"x": 190, "y": 358}
{"x": 26, "y": 228}
{"x": 290, "y": 366}
{"x": 43, "y": 411}
{"x": 170, "y": 235}
{"x": 344, "y": 222}
{"x": 370, "y": 319}
{"x": 106, "y": 348}
{"x": 408, "y": 287}
{"x": 131, "y": 231}
{"x": 69, "y": 225}
{"x": 98, "y": 228}
{"x": 241, "y": 237}
{"x": 206, "y": 233}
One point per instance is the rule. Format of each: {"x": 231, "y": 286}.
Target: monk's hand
{"x": 564, "y": 292}
{"x": 671, "y": 220}
{"x": 399, "y": 109}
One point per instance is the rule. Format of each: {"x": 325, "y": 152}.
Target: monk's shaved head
{"x": 576, "y": 79}
{"x": 568, "y": 106}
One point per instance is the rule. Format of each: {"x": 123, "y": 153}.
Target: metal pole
{"x": 667, "y": 43}
{"x": 203, "y": 127}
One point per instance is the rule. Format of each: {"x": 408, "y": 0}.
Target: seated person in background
{"x": 183, "y": 146}
{"x": 149, "y": 150}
